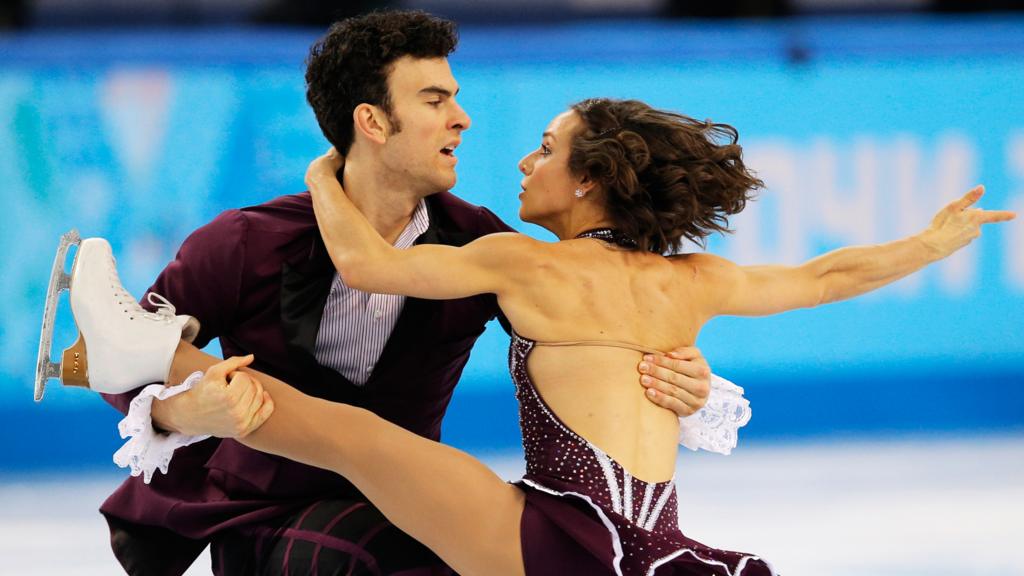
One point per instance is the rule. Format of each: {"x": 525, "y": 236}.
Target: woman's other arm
{"x": 846, "y": 272}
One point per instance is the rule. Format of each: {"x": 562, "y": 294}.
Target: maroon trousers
{"x": 326, "y": 538}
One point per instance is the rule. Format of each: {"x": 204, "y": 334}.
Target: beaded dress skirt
{"x": 586, "y": 515}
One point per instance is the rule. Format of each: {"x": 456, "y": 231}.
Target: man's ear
{"x": 371, "y": 122}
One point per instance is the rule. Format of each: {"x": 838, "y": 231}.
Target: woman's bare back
{"x": 588, "y": 290}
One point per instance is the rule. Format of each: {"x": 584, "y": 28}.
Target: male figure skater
{"x": 260, "y": 280}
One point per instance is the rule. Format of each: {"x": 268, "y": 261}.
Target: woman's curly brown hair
{"x": 349, "y": 66}
{"x": 666, "y": 176}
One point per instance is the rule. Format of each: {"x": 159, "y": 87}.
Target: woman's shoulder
{"x": 705, "y": 265}
{"x": 511, "y": 247}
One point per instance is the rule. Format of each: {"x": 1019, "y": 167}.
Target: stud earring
{"x": 580, "y": 193}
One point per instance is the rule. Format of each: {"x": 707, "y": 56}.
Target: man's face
{"x": 422, "y": 152}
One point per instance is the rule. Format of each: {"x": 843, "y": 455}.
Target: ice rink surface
{"x": 931, "y": 506}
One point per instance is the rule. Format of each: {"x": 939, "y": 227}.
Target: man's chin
{"x": 446, "y": 183}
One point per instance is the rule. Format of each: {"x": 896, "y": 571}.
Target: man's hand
{"x": 680, "y": 381}
{"x": 226, "y": 403}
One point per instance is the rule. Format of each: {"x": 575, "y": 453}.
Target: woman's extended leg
{"x": 440, "y": 496}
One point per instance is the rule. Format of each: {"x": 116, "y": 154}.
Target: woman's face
{"x": 548, "y": 185}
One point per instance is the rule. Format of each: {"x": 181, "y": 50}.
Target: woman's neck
{"x": 579, "y": 221}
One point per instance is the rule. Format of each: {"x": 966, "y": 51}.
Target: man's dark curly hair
{"x": 350, "y": 64}
{"x": 665, "y": 176}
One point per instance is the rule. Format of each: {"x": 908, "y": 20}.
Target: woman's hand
{"x": 324, "y": 169}
{"x": 956, "y": 225}
{"x": 227, "y": 402}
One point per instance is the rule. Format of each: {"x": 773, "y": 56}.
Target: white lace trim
{"x": 149, "y": 450}
{"x": 715, "y": 427}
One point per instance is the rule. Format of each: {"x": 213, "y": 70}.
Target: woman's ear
{"x": 371, "y": 122}
{"x": 587, "y": 185}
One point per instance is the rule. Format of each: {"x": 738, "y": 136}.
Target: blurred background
{"x": 888, "y": 432}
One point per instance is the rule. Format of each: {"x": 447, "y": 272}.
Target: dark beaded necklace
{"x": 612, "y": 236}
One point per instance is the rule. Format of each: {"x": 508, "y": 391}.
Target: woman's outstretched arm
{"x": 369, "y": 263}
{"x": 842, "y": 273}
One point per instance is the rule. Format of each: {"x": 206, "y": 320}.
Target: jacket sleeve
{"x": 204, "y": 280}
{"x": 489, "y": 223}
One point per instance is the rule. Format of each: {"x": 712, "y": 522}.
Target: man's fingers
{"x": 664, "y": 367}
{"x": 967, "y": 199}
{"x": 686, "y": 353}
{"x": 990, "y": 216}
{"x": 669, "y": 402}
{"x": 662, "y": 389}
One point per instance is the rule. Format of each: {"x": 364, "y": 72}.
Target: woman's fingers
{"x": 990, "y": 216}
{"x": 324, "y": 169}
{"x": 224, "y": 368}
{"x": 258, "y": 411}
{"x": 332, "y": 160}
{"x": 243, "y": 388}
{"x": 968, "y": 199}
{"x": 266, "y": 408}
{"x": 248, "y": 410}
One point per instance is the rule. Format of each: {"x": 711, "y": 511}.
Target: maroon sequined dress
{"x": 586, "y": 515}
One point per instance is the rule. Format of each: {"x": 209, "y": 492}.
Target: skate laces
{"x": 164, "y": 309}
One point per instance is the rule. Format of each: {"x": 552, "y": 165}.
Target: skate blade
{"x": 60, "y": 281}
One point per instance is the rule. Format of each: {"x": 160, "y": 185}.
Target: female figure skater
{"x": 620, "y": 184}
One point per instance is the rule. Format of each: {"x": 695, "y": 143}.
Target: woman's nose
{"x": 524, "y": 165}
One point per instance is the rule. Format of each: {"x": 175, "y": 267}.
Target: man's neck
{"x": 387, "y": 206}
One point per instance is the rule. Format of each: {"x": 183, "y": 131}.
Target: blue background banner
{"x": 862, "y": 131}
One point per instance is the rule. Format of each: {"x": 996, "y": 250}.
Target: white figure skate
{"x": 120, "y": 345}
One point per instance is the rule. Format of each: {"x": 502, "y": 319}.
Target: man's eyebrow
{"x": 549, "y": 135}
{"x": 439, "y": 90}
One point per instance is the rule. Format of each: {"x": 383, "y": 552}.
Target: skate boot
{"x": 120, "y": 345}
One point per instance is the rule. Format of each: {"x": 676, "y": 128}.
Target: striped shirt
{"x": 356, "y": 325}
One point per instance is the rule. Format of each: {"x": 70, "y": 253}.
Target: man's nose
{"x": 460, "y": 121}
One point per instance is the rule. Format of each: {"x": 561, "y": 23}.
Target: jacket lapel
{"x": 305, "y": 287}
